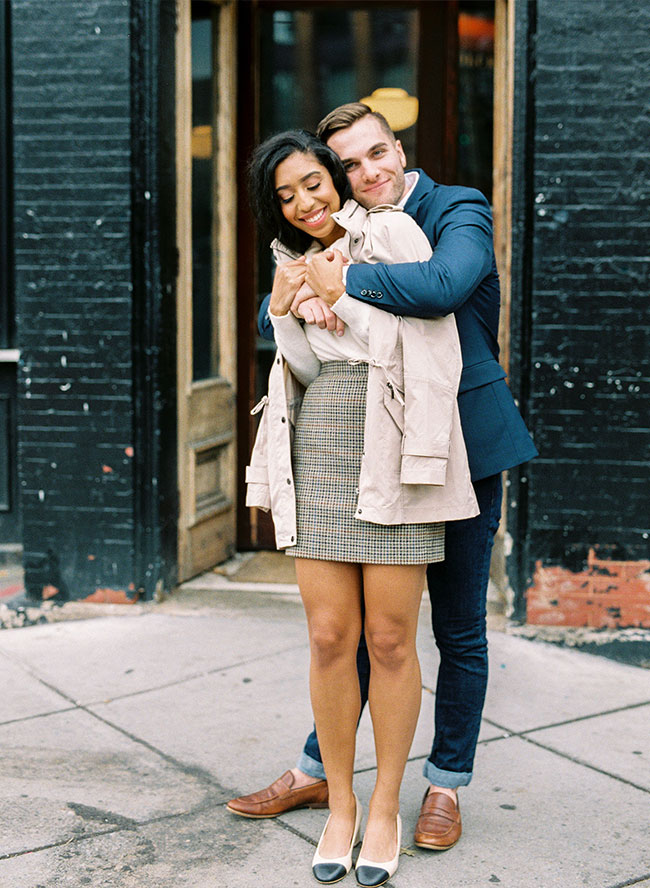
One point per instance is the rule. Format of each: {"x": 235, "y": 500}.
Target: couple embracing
{"x": 379, "y": 452}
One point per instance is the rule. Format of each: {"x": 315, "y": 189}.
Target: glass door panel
{"x": 476, "y": 94}
{"x": 205, "y": 349}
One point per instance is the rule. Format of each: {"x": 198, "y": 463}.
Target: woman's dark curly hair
{"x": 261, "y": 183}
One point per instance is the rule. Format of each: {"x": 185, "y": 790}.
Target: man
{"x": 461, "y": 277}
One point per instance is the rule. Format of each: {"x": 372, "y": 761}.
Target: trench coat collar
{"x": 351, "y": 217}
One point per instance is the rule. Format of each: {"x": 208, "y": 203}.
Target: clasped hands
{"x": 309, "y": 289}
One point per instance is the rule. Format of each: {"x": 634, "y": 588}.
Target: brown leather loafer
{"x": 279, "y": 797}
{"x": 439, "y": 825}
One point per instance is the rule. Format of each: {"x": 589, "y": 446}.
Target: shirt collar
{"x": 410, "y": 180}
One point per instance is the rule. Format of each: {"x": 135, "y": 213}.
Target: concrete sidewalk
{"x": 122, "y": 737}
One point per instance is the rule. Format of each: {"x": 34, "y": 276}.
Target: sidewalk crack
{"x": 637, "y": 880}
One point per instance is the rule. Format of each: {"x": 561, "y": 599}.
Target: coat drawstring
{"x": 390, "y": 383}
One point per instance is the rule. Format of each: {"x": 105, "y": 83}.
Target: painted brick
{"x": 606, "y": 594}
{"x": 589, "y": 403}
{"x": 72, "y": 200}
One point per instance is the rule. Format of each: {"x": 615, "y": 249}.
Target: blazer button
{"x": 364, "y": 292}
{"x": 379, "y": 295}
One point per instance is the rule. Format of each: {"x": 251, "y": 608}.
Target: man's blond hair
{"x": 345, "y": 115}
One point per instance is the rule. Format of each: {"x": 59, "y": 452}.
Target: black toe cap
{"x": 371, "y": 876}
{"x": 329, "y": 872}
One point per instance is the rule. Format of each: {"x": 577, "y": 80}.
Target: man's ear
{"x": 400, "y": 152}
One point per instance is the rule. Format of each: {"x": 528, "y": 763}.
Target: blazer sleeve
{"x": 462, "y": 257}
{"x": 264, "y": 325}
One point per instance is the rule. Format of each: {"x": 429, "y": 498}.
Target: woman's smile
{"x": 315, "y": 218}
{"x": 308, "y": 197}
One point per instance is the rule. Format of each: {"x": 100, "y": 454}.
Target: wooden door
{"x": 206, "y": 225}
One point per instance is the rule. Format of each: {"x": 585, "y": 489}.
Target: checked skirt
{"x": 327, "y": 449}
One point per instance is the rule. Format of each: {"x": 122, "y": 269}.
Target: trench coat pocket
{"x": 428, "y": 413}
{"x": 257, "y": 487}
{"x": 394, "y": 405}
{"x": 423, "y": 469}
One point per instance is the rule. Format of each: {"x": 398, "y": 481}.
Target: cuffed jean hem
{"x": 448, "y": 779}
{"x": 311, "y": 766}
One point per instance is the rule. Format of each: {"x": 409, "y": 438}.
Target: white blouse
{"x": 327, "y": 345}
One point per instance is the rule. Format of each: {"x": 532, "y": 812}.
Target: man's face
{"x": 373, "y": 161}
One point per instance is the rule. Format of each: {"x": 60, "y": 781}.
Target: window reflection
{"x": 475, "y": 94}
{"x": 315, "y": 59}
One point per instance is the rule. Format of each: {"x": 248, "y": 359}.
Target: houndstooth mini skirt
{"x": 327, "y": 449}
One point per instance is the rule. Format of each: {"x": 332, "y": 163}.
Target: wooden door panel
{"x": 206, "y": 207}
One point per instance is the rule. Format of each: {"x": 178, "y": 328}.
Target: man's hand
{"x": 316, "y": 311}
{"x": 288, "y": 279}
{"x": 325, "y": 275}
{"x": 305, "y": 292}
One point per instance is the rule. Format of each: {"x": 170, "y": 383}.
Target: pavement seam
{"x": 572, "y": 721}
{"x": 578, "y": 761}
{"x": 564, "y": 755}
{"x": 278, "y": 821}
{"x": 217, "y": 669}
{"x": 199, "y": 774}
{"x": 85, "y": 706}
{"x": 568, "y": 721}
{"x": 195, "y": 771}
{"x": 26, "y": 718}
{"x": 200, "y": 809}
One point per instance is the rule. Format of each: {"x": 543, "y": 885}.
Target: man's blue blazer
{"x": 460, "y": 277}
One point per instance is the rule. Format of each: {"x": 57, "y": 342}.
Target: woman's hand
{"x": 289, "y": 277}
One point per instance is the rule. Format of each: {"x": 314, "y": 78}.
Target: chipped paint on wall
{"x": 111, "y": 596}
{"x": 606, "y": 594}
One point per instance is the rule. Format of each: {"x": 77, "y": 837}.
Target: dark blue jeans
{"x": 458, "y": 591}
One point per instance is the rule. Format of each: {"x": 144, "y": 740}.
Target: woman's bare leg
{"x": 392, "y": 595}
{"x": 331, "y": 594}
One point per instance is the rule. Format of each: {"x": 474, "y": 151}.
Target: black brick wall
{"x": 72, "y": 169}
{"x": 589, "y": 402}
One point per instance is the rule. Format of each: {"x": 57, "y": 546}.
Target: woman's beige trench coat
{"x": 414, "y": 466}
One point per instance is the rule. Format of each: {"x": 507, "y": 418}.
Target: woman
{"x": 376, "y": 464}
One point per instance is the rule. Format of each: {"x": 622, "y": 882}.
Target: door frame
{"x": 206, "y": 536}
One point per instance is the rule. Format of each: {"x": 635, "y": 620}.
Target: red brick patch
{"x": 110, "y": 596}
{"x": 608, "y": 594}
